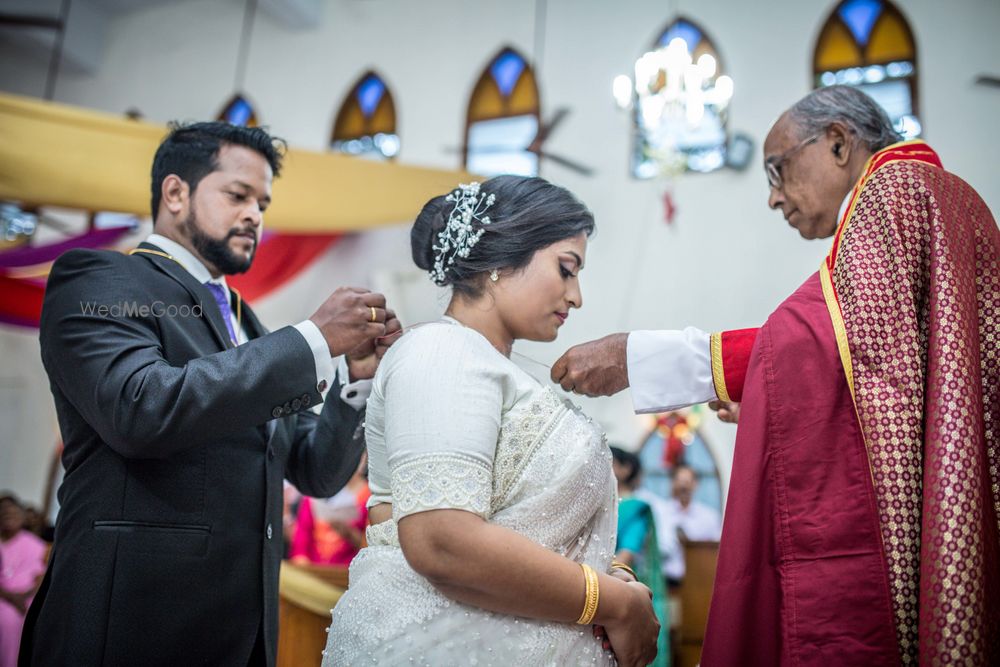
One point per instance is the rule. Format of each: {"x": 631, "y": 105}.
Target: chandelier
{"x": 679, "y": 106}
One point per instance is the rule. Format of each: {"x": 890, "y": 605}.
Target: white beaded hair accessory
{"x": 459, "y": 235}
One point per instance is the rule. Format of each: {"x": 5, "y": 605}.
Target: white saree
{"x": 453, "y": 424}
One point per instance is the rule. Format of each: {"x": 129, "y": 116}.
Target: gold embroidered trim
{"x": 239, "y": 306}
{"x": 155, "y": 252}
{"x": 839, "y": 330}
{"x": 239, "y": 297}
{"x": 718, "y": 376}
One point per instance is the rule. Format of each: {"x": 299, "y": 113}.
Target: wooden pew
{"x": 307, "y": 593}
{"x": 695, "y": 594}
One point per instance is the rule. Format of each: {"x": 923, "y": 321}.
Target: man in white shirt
{"x": 697, "y": 521}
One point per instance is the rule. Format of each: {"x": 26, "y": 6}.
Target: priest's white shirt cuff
{"x": 668, "y": 370}
{"x": 354, "y": 394}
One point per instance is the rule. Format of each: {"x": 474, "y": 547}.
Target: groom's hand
{"x": 363, "y": 360}
{"x": 349, "y": 318}
{"x": 393, "y": 329}
{"x": 597, "y": 368}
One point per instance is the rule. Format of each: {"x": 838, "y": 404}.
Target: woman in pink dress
{"x": 331, "y": 531}
{"x": 22, "y": 563}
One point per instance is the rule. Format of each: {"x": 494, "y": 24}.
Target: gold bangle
{"x": 591, "y": 596}
{"x": 615, "y": 565}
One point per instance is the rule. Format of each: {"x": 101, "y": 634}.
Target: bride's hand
{"x": 633, "y": 630}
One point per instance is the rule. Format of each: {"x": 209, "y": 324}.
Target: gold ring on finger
{"x": 374, "y": 316}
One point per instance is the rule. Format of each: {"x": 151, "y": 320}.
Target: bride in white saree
{"x": 493, "y": 503}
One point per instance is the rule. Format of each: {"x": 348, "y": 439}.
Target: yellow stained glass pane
{"x": 836, "y": 48}
{"x": 384, "y": 118}
{"x": 890, "y": 40}
{"x": 524, "y": 98}
{"x": 486, "y": 102}
{"x": 350, "y": 123}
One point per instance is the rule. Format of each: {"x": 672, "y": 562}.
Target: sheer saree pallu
{"x": 553, "y": 485}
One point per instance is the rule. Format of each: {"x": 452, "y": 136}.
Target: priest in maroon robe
{"x": 864, "y": 505}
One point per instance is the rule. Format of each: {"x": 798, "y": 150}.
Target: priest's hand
{"x": 597, "y": 368}
{"x": 728, "y": 411}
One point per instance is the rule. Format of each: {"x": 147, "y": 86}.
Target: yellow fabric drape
{"x": 59, "y": 155}
{"x": 308, "y": 591}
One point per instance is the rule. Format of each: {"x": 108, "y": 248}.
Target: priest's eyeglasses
{"x": 773, "y": 165}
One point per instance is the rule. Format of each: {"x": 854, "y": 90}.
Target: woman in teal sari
{"x": 637, "y": 545}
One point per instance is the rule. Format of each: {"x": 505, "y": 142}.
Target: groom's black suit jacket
{"x": 169, "y": 538}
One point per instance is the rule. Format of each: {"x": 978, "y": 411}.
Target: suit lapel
{"x": 209, "y": 309}
{"x": 253, "y": 328}
{"x": 251, "y": 325}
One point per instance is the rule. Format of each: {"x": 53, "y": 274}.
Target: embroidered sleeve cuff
{"x": 321, "y": 355}
{"x": 441, "y": 480}
{"x": 668, "y": 370}
{"x": 730, "y": 358}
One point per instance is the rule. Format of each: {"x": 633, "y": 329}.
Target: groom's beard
{"x": 217, "y": 251}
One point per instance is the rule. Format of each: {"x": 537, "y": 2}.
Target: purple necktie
{"x": 222, "y": 299}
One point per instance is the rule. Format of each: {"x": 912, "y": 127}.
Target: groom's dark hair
{"x": 528, "y": 214}
{"x": 191, "y": 151}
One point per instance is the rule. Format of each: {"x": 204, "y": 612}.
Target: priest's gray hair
{"x": 815, "y": 112}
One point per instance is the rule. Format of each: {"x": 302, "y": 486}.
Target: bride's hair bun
{"x": 527, "y": 214}
{"x": 432, "y": 219}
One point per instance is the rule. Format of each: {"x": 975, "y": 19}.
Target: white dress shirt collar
{"x": 186, "y": 259}
{"x": 843, "y": 205}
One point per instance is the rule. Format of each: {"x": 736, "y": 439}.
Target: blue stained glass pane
{"x": 685, "y": 31}
{"x": 860, "y": 17}
{"x": 370, "y": 94}
{"x": 506, "y": 70}
{"x": 239, "y": 112}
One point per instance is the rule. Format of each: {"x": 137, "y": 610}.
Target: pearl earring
{"x": 494, "y": 276}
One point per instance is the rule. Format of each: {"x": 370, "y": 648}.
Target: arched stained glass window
{"x": 869, "y": 44}
{"x": 238, "y": 111}
{"x": 680, "y": 101}
{"x": 366, "y": 122}
{"x": 503, "y": 118}
{"x": 676, "y": 439}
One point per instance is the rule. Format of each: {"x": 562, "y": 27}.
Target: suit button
{"x": 270, "y": 453}
{"x": 352, "y": 394}
{"x": 277, "y": 412}
{"x": 287, "y": 408}
{"x": 306, "y": 400}
{"x": 269, "y": 531}
{"x": 321, "y": 387}
{"x": 296, "y": 404}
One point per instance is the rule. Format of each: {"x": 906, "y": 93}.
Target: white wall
{"x": 727, "y": 260}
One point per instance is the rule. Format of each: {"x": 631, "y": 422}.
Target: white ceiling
{"x": 90, "y": 20}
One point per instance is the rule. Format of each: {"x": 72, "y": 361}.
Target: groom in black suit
{"x": 181, "y": 416}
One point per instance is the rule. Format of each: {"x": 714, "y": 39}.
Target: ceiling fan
{"x": 535, "y": 145}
